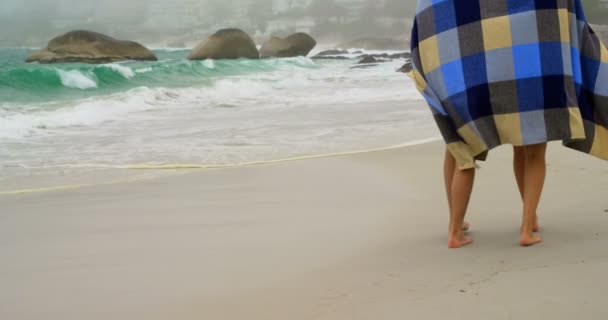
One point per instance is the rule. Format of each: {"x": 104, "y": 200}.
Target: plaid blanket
{"x": 517, "y": 72}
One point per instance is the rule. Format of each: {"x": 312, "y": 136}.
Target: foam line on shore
{"x": 48, "y": 189}
{"x": 254, "y": 163}
{"x": 70, "y": 187}
{"x": 203, "y": 166}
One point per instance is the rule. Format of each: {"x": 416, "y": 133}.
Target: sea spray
{"x": 123, "y": 70}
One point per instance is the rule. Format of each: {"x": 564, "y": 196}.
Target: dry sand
{"x": 350, "y": 237}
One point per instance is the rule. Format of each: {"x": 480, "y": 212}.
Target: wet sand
{"x": 348, "y": 237}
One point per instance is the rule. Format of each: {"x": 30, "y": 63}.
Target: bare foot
{"x": 466, "y": 226}
{"x": 529, "y": 240}
{"x": 456, "y": 242}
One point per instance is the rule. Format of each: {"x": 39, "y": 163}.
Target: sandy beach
{"x": 348, "y": 237}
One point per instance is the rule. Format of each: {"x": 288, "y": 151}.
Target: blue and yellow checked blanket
{"x": 515, "y": 72}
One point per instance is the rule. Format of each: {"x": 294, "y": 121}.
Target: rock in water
{"x": 226, "y": 44}
{"x": 90, "y": 47}
{"x": 406, "y": 68}
{"x": 369, "y": 59}
{"x": 297, "y": 44}
{"x": 333, "y": 52}
{"x": 301, "y": 43}
{"x": 274, "y": 47}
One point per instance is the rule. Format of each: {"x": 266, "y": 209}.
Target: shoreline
{"x": 191, "y": 167}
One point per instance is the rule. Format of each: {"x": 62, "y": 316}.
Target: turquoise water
{"x": 26, "y": 83}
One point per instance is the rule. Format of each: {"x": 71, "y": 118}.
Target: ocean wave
{"x": 209, "y": 64}
{"x": 76, "y": 79}
{"x": 39, "y": 82}
{"x": 15, "y": 124}
{"x": 279, "y": 90}
{"x": 20, "y": 121}
{"x": 123, "y": 70}
{"x": 143, "y": 70}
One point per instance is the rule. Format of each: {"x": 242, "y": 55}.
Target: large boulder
{"x": 297, "y": 44}
{"x": 90, "y": 47}
{"x": 226, "y": 44}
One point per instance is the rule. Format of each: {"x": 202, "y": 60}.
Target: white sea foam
{"x": 125, "y": 71}
{"x": 76, "y": 79}
{"x": 209, "y": 63}
{"x": 87, "y": 112}
{"x": 144, "y": 70}
{"x": 13, "y": 127}
{"x": 24, "y": 121}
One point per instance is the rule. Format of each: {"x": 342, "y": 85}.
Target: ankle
{"x": 456, "y": 228}
{"x": 456, "y": 234}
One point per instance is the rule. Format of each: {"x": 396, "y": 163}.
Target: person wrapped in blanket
{"x": 519, "y": 72}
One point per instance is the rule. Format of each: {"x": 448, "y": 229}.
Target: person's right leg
{"x": 519, "y": 168}
{"x": 461, "y": 189}
{"x": 533, "y": 182}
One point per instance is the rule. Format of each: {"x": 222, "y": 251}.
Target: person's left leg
{"x": 461, "y": 189}
{"x": 449, "y": 166}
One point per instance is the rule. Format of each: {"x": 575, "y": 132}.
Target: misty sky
{"x": 33, "y": 22}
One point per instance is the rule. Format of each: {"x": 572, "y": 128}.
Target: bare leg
{"x": 449, "y": 166}
{"x": 519, "y": 167}
{"x": 462, "y": 186}
{"x": 534, "y": 180}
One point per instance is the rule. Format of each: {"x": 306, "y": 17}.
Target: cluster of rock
{"x": 367, "y": 60}
{"x": 235, "y": 44}
{"x": 93, "y": 47}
